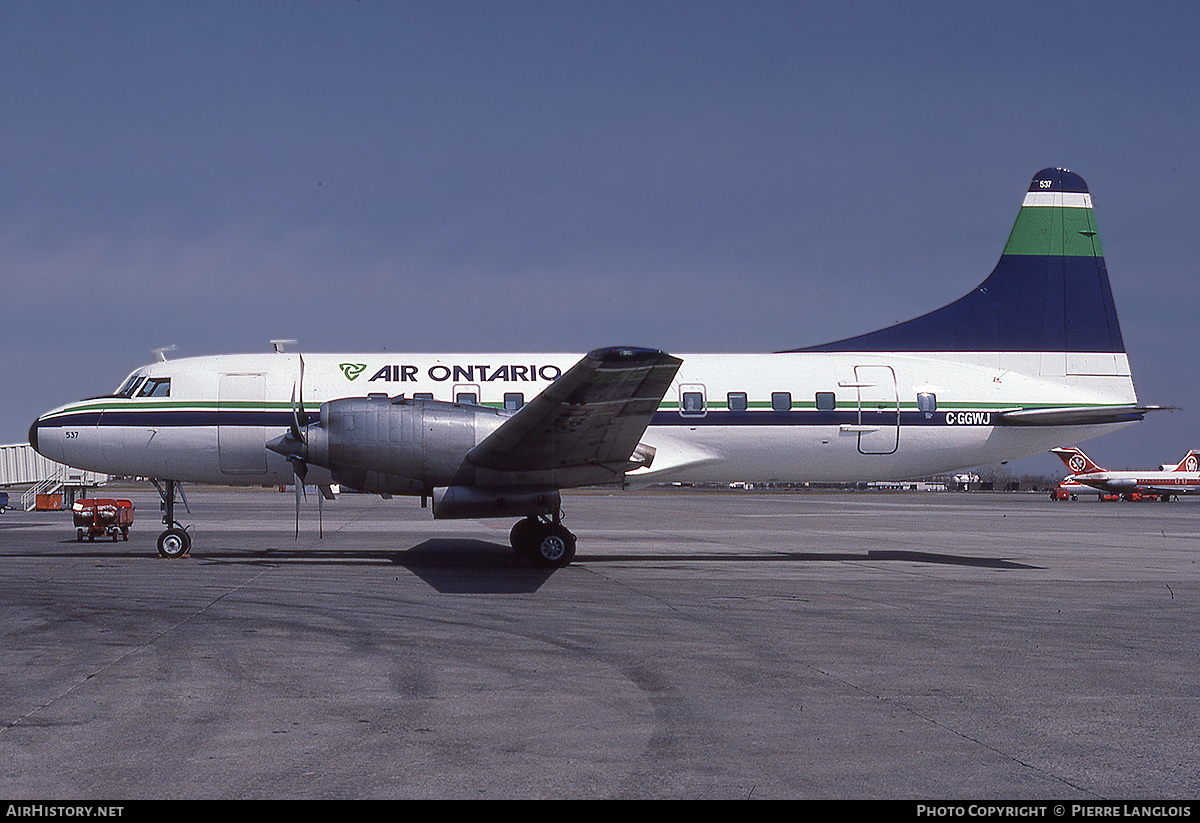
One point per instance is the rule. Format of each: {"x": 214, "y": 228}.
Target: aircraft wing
{"x": 586, "y": 425}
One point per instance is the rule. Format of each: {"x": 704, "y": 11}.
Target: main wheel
{"x": 553, "y": 546}
{"x": 522, "y": 536}
{"x": 174, "y": 543}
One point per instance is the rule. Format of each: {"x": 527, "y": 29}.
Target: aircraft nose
{"x": 33, "y": 435}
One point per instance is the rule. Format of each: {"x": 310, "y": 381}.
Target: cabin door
{"x": 241, "y": 437}
{"x": 878, "y": 409}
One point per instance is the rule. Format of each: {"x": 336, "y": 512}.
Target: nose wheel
{"x": 175, "y": 541}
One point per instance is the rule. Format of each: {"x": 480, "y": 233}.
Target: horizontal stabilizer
{"x": 1074, "y": 416}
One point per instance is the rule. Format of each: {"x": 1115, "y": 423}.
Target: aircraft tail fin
{"x": 1077, "y": 461}
{"x": 1189, "y": 463}
{"x": 1048, "y": 293}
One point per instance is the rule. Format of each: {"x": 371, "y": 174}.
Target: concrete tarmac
{"x": 702, "y": 645}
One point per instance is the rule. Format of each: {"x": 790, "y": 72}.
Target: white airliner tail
{"x": 1076, "y": 461}
{"x": 1189, "y": 463}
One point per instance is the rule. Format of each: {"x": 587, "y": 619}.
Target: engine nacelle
{"x": 377, "y": 444}
{"x": 470, "y": 501}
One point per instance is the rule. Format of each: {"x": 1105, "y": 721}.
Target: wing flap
{"x": 593, "y": 415}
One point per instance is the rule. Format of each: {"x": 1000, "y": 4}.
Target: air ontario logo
{"x": 352, "y": 370}
{"x": 441, "y": 372}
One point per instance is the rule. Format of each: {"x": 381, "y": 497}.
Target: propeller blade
{"x": 299, "y": 470}
{"x": 303, "y": 415}
{"x": 299, "y": 433}
{"x": 299, "y": 416}
{"x": 296, "y": 433}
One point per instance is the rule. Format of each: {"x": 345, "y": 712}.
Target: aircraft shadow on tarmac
{"x": 459, "y": 566}
{"x": 817, "y": 557}
{"x": 465, "y": 566}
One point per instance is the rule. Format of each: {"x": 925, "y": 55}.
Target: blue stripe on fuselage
{"x": 172, "y": 418}
{"x": 161, "y": 418}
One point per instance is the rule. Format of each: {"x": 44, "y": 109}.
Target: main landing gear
{"x": 543, "y": 541}
{"x": 175, "y": 541}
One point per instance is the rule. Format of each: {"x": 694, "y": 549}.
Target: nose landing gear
{"x": 175, "y": 541}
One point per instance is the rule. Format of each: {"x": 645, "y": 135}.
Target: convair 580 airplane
{"x": 1031, "y": 358}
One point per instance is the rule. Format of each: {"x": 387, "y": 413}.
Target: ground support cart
{"x": 95, "y": 517}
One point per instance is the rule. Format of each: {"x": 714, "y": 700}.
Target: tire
{"x": 522, "y": 536}
{"x": 174, "y": 543}
{"x": 553, "y": 547}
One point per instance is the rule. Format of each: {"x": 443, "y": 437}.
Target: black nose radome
{"x": 33, "y": 435}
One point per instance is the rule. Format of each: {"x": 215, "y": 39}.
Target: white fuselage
{"x": 1146, "y": 482}
{"x": 788, "y": 417}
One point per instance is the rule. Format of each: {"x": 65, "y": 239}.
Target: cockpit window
{"x": 130, "y": 386}
{"x": 156, "y": 387}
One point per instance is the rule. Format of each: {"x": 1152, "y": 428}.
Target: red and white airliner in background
{"x": 1164, "y": 483}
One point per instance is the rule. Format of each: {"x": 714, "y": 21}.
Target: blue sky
{"x": 533, "y": 176}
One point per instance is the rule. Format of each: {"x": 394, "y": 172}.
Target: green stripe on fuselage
{"x": 1055, "y": 231}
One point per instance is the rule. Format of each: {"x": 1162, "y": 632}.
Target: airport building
{"x": 42, "y": 483}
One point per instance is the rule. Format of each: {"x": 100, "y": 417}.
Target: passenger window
{"x": 156, "y": 387}
{"x": 926, "y": 402}
{"x": 737, "y": 401}
{"x": 781, "y": 400}
{"x": 513, "y": 400}
{"x": 423, "y": 395}
{"x": 826, "y": 401}
{"x": 692, "y": 405}
{"x": 466, "y": 393}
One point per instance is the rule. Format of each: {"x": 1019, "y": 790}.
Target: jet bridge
{"x": 55, "y": 485}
